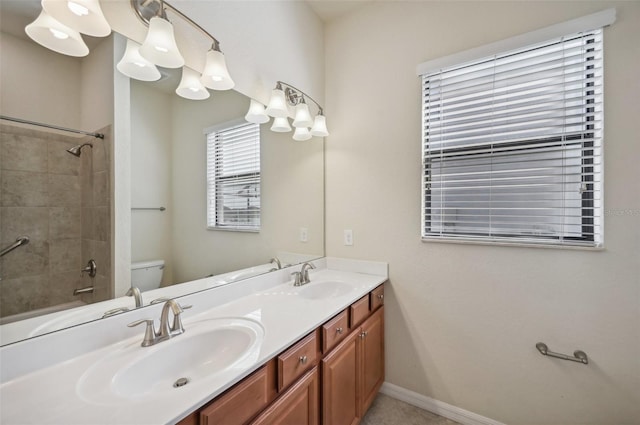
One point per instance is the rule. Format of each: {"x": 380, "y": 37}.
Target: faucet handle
{"x": 149, "y": 332}
{"x": 177, "y": 327}
{"x": 296, "y": 277}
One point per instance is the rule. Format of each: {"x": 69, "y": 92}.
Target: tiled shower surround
{"x": 63, "y": 204}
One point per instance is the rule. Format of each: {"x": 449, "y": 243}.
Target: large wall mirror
{"x": 58, "y": 188}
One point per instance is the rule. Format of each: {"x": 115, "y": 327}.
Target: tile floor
{"x": 389, "y": 411}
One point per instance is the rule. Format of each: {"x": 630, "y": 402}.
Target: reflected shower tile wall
{"x": 42, "y": 195}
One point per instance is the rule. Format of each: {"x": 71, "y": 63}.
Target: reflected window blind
{"x": 233, "y": 177}
{"x": 512, "y": 146}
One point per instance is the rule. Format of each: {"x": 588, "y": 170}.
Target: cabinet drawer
{"x": 377, "y": 297}
{"x": 297, "y": 360}
{"x": 335, "y": 331}
{"x": 359, "y": 311}
{"x": 240, "y": 403}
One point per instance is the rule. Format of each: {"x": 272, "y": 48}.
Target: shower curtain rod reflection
{"x": 55, "y": 127}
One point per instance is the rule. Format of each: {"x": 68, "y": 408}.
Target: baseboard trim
{"x": 441, "y": 408}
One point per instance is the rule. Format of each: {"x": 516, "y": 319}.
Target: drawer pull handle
{"x": 381, "y": 296}
{"x": 339, "y": 330}
{"x": 303, "y": 359}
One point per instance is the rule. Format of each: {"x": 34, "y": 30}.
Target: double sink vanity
{"x": 257, "y": 351}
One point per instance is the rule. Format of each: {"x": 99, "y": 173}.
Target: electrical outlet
{"x": 304, "y": 234}
{"x": 348, "y": 237}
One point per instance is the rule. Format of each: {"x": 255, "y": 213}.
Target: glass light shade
{"x": 135, "y": 66}
{"x": 84, "y": 16}
{"x": 277, "y": 107}
{"x": 160, "y": 45}
{"x": 215, "y": 74}
{"x": 303, "y": 117}
{"x": 319, "y": 128}
{"x": 190, "y": 86}
{"x": 281, "y": 125}
{"x": 256, "y": 113}
{"x": 56, "y": 36}
{"x": 301, "y": 134}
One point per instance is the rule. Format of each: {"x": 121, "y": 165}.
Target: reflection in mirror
{"x": 65, "y": 202}
{"x": 169, "y": 163}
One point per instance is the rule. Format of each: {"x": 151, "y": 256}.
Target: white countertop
{"x": 45, "y": 390}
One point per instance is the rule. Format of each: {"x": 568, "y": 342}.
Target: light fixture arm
{"x": 294, "y": 95}
{"x": 147, "y": 9}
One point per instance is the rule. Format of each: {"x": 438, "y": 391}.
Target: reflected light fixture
{"x": 301, "y": 134}
{"x": 84, "y": 16}
{"x": 278, "y": 108}
{"x": 215, "y": 75}
{"x": 256, "y": 113}
{"x": 56, "y": 36}
{"x": 281, "y": 125}
{"x": 190, "y": 86}
{"x": 133, "y": 65}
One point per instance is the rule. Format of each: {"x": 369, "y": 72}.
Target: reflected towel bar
{"x": 22, "y": 240}
{"x": 578, "y": 355}
{"x": 149, "y": 209}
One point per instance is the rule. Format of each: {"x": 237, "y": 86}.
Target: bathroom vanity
{"x": 331, "y": 376}
{"x": 257, "y": 351}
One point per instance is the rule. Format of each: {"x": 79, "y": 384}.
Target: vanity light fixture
{"x": 190, "y": 86}
{"x": 84, "y": 16}
{"x": 215, "y": 75}
{"x": 56, "y": 36}
{"x": 160, "y": 48}
{"x": 133, "y": 65}
{"x": 257, "y": 114}
{"x": 281, "y": 99}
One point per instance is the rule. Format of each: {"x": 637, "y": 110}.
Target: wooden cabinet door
{"x": 371, "y": 340}
{"x": 297, "y": 406}
{"x": 340, "y": 382}
{"x": 243, "y": 401}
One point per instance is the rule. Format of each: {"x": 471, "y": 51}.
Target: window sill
{"x": 501, "y": 242}
{"x": 232, "y": 229}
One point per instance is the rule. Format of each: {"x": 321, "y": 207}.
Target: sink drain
{"x": 180, "y": 382}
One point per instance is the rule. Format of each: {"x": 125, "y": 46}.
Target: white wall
{"x": 462, "y": 321}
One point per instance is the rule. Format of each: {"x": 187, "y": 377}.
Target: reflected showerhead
{"x": 77, "y": 150}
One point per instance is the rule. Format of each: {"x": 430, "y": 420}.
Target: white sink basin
{"x": 205, "y": 351}
{"x": 324, "y": 289}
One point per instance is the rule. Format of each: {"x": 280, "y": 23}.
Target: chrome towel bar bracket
{"x": 578, "y": 355}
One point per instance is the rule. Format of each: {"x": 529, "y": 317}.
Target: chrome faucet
{"x": 151, "y": 336}
{"x": 137, "y": 295}
{"x": 277, "y": 262}
{"x": 304, "y": 273}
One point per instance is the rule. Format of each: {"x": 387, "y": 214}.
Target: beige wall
{"x": 463, "y": 320}
{"x": 38, "y": 84}
{"x": 151, "y": 136}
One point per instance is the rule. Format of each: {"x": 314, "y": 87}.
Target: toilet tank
{"x": 147, "y": 275}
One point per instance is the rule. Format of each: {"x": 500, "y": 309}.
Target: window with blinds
{"x": 233, "y": 177}
{"x": 512, "y": 146}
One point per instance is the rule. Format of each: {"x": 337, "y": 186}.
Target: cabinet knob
{"x": 303, "y": 359}
{"x": 380, "y": 296}
{"x": 339, "y": 330}
{"x": 363, "y": 335}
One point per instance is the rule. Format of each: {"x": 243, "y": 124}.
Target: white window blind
{"x": 233, "y": 177}
{"x": 512, "y": 146}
